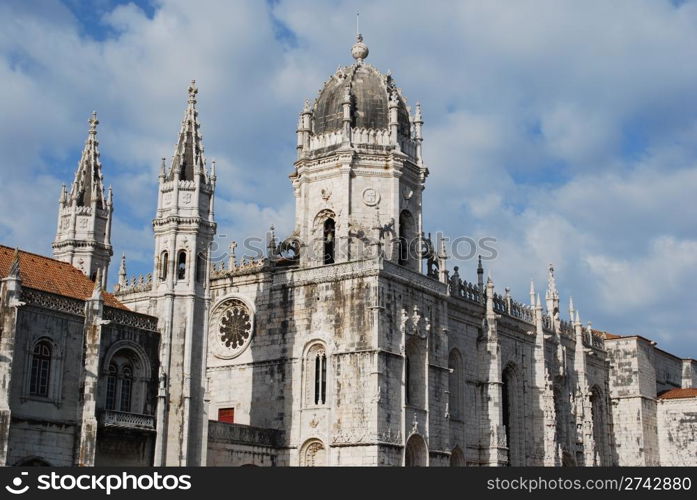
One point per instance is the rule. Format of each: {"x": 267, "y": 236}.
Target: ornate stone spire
{"x": 122, "y": 271}
{"x": 188, "y": 159}
{"x": 83, "y": 236}
{"x": 88, "y": 186}
{"x": 480, "y": 275}
{"x": 552, "y": 292}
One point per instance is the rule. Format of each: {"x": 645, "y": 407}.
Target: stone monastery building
{"x": 344, "y": 345}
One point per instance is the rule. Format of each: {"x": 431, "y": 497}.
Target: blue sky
{"x": 566, "y": 130}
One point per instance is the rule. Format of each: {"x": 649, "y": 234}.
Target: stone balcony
{"x": 124, "y": 420}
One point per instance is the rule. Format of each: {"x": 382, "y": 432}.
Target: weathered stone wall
{"x": 677, "y": 424}
{"x": 370, "y": 318}
{"x": 266, "y": 383}
{"x": 669, "y": 370}
{"x": 240, "y": 445}
{"x": 44, "y": 427}
{"x": 49, "y": 442}
{"x": 124, "y": 448}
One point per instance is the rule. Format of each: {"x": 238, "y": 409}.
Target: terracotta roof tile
{"x": 606, "y": 335}
{"x": 53, "y": 276}
{"x": 679, "y": 393}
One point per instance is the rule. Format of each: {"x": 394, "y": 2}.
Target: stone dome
{"x": 369, "y": 92}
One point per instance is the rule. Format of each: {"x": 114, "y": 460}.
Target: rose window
{"x": 231, "y": 329}
{"x": 235, "y": 327}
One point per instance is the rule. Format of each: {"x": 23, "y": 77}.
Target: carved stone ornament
{"x": 415, "y": 323}
{"x": 407, "y": 192}
{"x": 371, "y": 197}
{"x": 231, "y": 329}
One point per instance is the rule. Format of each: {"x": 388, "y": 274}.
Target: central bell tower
{"x": 359, "y": 173}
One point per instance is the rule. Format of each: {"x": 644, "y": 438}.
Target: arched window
{"x": 406, "y": 236}
{"x": 329, "y": 240}
{"x": 111, "y": 382}
{"x": 40, "y": 369}
{"x": 125, "y": 382}
{"x": 416, "y": 452}
{"x": 181, "y": 265}
{"x": 164, "y": 264}
{"x": 200, "y": 267}
{"x": 316, "y": 376}
{"x": 455, "y": 384}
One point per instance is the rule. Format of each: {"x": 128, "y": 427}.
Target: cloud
{"x": 566, "y": 130}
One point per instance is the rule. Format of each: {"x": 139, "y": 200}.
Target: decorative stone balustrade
{"x": 124, "y": 420}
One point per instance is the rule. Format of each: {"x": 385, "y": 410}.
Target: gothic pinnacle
{"x": 14, "y": 266}
{"x": 93, "y": 123}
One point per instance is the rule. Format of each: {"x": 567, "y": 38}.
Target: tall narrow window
{"x": 406, "y": 233}
{"x": 320, "y": 378}
{"x": 599, "y": 426}
{"x": 181, "y": 265}
{"x": 164, "y": 264}
{"x": 506, "y": 411}
{"x": 200, "y": 267}
{"x": 40, "y": 369}
{"x": 126, "y": 385}
{"x": 329, "y": 240}
{"x": 111, "y": 380}
{"x": 315, "y": 376}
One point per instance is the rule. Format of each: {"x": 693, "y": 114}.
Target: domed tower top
{"x": 364, "y": 105}
{"x": 359, "y": 169}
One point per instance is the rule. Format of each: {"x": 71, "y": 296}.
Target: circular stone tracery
{"x": 231, "y": 328}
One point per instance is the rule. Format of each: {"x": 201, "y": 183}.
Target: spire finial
{"x": 193, "y": 90}
{"x": 418, "y": 116}
{"x": 93, "y": 123}
{"x": 122, "y": 270}
{"x": 359, "y": 51}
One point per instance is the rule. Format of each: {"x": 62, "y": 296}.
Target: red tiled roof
{"x": 607, "y": 335}
{"x": 679, "y": 393}
{"x": 53, "y": 276}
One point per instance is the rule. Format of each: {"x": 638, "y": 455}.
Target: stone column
{"x": 87, "y": 413}
{"x": 10, "y": 290}
{"x": 493, "y": 435}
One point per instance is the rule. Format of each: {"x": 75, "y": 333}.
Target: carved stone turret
{"x": 83, "y": 238}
